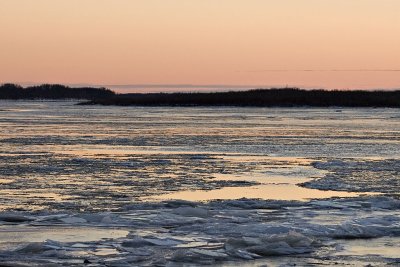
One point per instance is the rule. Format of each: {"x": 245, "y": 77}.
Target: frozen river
{"x": 173, "y": 186}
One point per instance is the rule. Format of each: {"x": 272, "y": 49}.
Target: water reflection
{"x": 273, "y": 185}
{"x": 55, "y": 155}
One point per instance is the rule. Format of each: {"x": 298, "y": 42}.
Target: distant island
{"x": 284, "y": 97}
{"x": 52, "y": 92}
{"x": 274, "y": 97}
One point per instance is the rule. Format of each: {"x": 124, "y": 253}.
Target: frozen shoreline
{"x": 178, "y": 233}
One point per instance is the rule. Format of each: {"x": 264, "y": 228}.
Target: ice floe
{"x": 219, "y": 232}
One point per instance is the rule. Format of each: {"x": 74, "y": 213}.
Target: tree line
{"x": 285, "y": 97}
{"x": 275, "y": 97}
{"x": 52, "y": 91}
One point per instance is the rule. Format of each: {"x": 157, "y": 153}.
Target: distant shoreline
{"x": 52, "y": 92}
{"x": 273, "y": 97}
{"x": 285, "y": 97}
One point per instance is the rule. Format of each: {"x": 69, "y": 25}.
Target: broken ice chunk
{"x": 38, "y": 247}
{"x": 272, "y": 245}
{"x": 209, "y": 253}
{"x": 198, "y": 257}
{"x": 192, "y": 212}
{"x": 162, "y": 242}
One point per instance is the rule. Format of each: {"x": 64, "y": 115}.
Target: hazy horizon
{"x": 343, "y": 44}
{"x": 171, "y": 88}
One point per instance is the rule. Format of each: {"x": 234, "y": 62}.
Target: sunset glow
{"x": 342, "y": 44}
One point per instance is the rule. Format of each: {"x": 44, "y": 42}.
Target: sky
{"x": 157, "y": 45}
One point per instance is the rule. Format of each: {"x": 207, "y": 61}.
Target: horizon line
{"x": 184, "y": 86}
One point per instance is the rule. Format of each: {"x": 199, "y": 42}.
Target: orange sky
{"x": 306, "y": 43}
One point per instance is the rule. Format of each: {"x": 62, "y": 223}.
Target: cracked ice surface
{"x": 88, "y": 186}
{"x": 175, "y": 233}
{"x": 362, "y": 175}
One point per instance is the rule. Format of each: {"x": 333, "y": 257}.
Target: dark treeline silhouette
{"x": 53, "y": 91}
{"x": 286, "y": 97}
